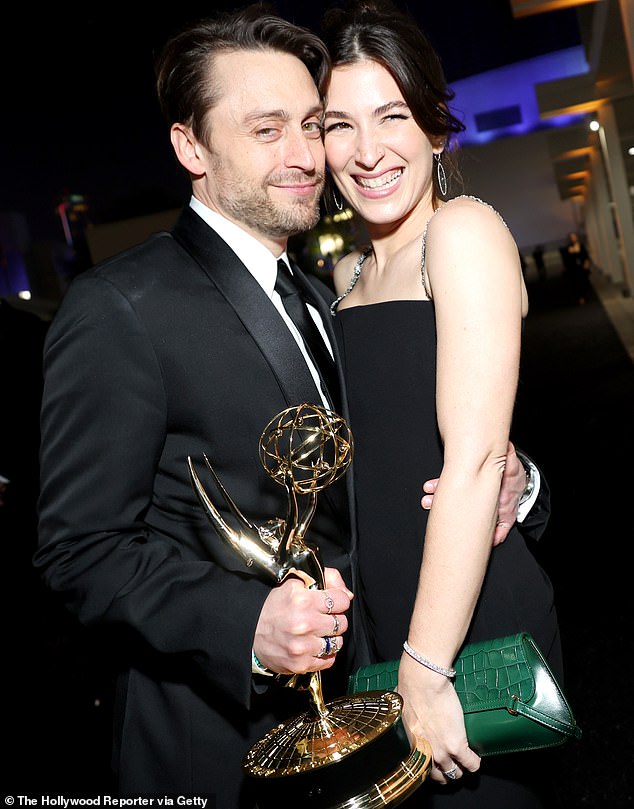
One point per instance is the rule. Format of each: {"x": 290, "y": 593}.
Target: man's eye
{"x": 267, "y": 133}
{"x": 313, "y": 129}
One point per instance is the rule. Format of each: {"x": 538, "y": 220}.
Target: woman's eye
{"x": 338, "y": 125}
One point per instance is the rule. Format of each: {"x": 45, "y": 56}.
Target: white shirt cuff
{"x": 535, "y": 482}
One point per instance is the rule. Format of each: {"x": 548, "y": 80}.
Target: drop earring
{"x": 441, "y": 176}
{"x": 337, "y": 200}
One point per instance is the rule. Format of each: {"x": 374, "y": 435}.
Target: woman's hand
{"x": 432, "y": 711}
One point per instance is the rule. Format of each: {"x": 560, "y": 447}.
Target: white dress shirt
{"x": 262, "y": 265}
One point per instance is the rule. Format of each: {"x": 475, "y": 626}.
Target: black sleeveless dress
{"x": 389, "y": 357}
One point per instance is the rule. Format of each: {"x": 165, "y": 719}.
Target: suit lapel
{"x": 256, "y": 312}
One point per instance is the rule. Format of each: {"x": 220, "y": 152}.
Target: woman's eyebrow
{"x": 387, "y": 107}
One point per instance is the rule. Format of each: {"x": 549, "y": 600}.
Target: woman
{"x": 430, "y": 320}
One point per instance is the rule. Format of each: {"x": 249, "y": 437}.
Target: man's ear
{"x": 187, "y": 149}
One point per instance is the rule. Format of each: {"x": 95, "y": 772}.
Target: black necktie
{"x": 295, "y": 305}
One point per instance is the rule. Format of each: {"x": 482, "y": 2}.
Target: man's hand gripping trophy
{"x": 305, "y": 449}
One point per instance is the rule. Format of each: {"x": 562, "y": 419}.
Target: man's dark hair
{"x": 184, "y": 80}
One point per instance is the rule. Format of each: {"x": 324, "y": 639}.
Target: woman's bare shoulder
{"x": 467, "y": 210}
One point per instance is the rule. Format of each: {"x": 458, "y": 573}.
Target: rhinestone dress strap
{"x": 355, "y": 277}
{"x": 462, "y": 196}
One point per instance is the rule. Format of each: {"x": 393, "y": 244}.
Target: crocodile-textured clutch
{"x": 510, "y": 698}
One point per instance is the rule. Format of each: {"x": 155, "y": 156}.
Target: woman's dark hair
{"x": 184, "y": 68}
{"x": 376, "y": 30}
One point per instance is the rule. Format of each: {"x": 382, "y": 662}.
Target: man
{"x": 186, "y": 348}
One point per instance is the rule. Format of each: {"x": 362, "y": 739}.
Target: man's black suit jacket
{"x": 167, "y": 350}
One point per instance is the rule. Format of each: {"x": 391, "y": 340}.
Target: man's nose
{"x": 303, "y": 152}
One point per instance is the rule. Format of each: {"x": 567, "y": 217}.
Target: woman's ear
{"x": 438, "y": 145}
{"x": 187, "y": 149}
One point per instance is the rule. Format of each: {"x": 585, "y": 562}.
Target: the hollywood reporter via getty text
{"x": 62, "y": 802}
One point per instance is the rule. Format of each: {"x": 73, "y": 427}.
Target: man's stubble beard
{"x": 253, "y": 207}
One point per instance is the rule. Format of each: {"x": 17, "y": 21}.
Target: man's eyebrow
{"x": 317, "y": 110}
{"x": 263, "y": 115}
{"x": 280, "y": 114}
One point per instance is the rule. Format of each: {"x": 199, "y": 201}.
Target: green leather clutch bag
{"x": 510, "y": 698}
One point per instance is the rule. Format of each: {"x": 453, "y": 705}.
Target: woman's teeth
{"x": 379, "y": 182}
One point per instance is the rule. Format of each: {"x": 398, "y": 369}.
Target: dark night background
{"x": 79, "y": 114}
{"x": 79, "y": 107}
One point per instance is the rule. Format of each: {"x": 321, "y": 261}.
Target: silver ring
{"x": 325, "y": 647}
{"x": 451, "y": 774}
{"x": 335, "y": 624}
{"x": 329, "y": 647}
{"x": 329, "y": 605}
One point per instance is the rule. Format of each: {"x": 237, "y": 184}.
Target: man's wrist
{"x": 531, "y": 490}
{"x": 258, "y": 668}
{"x": 529, "y": 487}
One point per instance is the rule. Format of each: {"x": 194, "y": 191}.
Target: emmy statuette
{"x": 352, "y": 752}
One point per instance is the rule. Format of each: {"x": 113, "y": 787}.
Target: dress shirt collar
{"x": 257, "y": 258}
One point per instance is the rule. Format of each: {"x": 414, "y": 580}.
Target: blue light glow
{"x": 514, "y": 86}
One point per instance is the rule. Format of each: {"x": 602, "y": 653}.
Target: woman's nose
{"x": 369, "y": 150}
